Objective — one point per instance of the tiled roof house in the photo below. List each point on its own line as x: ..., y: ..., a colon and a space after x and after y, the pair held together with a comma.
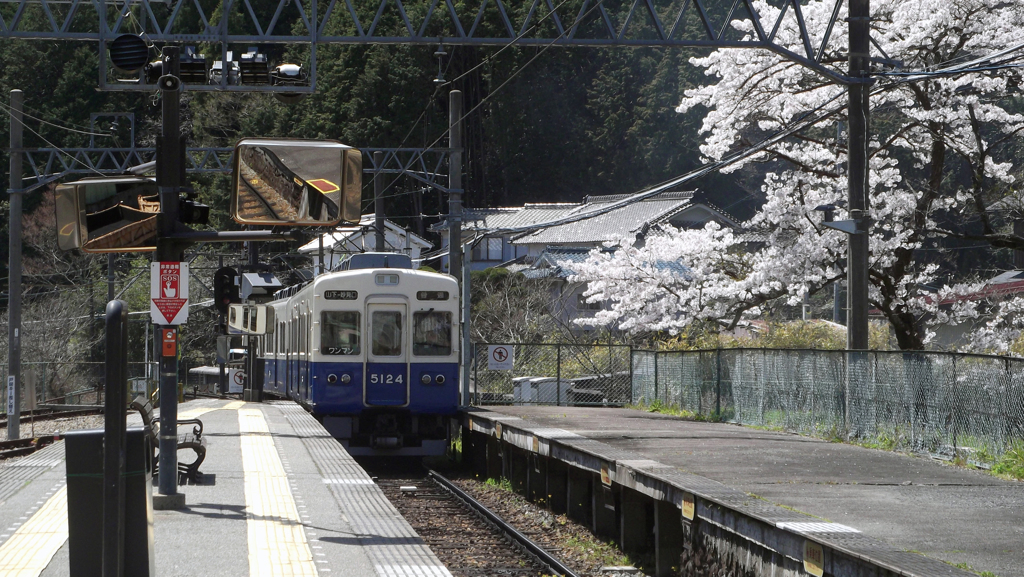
x: 512, y: 237
x: 502, y: 235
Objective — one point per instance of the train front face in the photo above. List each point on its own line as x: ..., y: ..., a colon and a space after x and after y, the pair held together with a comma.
x: 385, y: 364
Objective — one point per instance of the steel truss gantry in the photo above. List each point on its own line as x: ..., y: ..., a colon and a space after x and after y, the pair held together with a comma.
x: 570, y: 23
x: 425, y: 165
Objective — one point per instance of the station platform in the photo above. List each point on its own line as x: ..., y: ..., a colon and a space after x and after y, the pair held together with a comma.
x: 891, y: 508
x: 278, y: 496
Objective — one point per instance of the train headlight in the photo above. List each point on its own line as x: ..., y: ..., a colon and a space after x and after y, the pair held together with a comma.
x: 425, y: 379
x: 346, y: 379
x: 332, y: 378
x: 439, y: 380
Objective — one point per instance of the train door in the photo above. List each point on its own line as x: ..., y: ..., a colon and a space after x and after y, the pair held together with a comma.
x: 386, y: 382
x: 292, y: 347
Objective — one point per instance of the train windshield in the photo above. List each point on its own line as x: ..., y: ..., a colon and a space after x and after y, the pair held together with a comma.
x: 387, y: 333
x: 339, y: 333
x: 432, y: 334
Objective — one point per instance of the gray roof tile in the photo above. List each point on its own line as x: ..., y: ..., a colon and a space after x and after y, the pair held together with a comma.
x: 625, y: 221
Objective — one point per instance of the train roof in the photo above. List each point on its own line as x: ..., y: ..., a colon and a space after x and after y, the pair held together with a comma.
x: 292, y: 290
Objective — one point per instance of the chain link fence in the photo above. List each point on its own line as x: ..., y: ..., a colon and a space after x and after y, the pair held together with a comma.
x: 949, y: 404
x: 560, y: 374
x: 74, y: 383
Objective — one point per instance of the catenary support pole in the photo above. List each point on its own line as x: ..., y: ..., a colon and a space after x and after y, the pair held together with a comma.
x: 857, y: 287
x: 169, y: 183
x: 14, y: 272
x: 378, y: 199
x: 110, y: 276
x: 455, y: 184
x: 468, y: 355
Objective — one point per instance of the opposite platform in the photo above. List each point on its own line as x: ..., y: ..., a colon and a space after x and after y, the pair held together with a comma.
x: 914, y: 504
x: 279, y: 496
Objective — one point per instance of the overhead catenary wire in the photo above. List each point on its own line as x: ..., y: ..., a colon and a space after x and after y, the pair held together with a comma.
x: 810, y: 118
x: 544, y: 49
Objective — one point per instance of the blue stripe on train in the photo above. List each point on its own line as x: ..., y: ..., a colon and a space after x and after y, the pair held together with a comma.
x: 340, y: 398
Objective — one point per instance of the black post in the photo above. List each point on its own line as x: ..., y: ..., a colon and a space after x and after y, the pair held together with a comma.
x: 169, y: 181
x: 114, y: 438
x: 455, y: 184
x: 378, y: 200
x: 859, y: 91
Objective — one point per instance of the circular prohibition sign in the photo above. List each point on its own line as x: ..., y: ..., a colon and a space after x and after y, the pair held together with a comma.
x: 500, y: 354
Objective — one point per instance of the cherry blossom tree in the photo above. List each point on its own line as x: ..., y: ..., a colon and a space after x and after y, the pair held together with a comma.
x: 941, y: 166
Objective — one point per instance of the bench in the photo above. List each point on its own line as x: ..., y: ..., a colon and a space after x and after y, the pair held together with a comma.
x: 193, y: 440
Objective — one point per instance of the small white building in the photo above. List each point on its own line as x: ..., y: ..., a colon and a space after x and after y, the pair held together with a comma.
x: 351, y: 239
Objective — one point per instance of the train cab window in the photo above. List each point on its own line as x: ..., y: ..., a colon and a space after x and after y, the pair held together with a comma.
x: 339, y: 333
x: 432, y: 334
x: 386, y: 327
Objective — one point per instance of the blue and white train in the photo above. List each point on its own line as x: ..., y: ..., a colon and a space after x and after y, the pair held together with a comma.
x: 371, y: 351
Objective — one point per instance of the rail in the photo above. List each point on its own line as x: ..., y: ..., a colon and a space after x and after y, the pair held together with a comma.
x: 552, y: 563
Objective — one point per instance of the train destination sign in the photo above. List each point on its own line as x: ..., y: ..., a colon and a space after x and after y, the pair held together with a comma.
x: 168, y: 304
x: 339, y: 295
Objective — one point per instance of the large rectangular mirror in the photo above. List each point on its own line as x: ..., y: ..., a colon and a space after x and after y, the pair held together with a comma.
x: 116, y: 214
x: 296, y: 182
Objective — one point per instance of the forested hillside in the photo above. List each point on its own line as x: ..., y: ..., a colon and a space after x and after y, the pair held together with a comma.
x: 570, y: 123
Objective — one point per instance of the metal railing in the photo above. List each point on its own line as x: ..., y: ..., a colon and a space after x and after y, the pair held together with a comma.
x: 950, y: 404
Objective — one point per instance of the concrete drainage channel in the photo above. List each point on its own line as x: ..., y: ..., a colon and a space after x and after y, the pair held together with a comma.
x: 668, y: 519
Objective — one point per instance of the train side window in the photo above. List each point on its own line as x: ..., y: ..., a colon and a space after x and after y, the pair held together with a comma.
x: 339, y: 333
x: 386, y: 327
x: 432, y: 334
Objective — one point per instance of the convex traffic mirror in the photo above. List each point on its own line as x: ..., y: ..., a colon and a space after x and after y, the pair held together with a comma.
x: 115, y: 214
x: 304, y: 182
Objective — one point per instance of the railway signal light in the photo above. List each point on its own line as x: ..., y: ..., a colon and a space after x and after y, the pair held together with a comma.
x: 255, y: 67
x: 192, y: 66
x: 191, y: 211
x: 225, y: 289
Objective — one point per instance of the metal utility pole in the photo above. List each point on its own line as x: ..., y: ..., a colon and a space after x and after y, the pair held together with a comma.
x: 859, y: 91
x: 455, y: 184
x: 468, y: 355
x: 14, y: 268
x: 168, y: 180
x: 110, y: 276
x: 378, y: 199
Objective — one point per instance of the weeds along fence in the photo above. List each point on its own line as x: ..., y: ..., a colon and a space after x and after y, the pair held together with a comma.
x: 556, y: 374
x: 73, y: 383
x: 955, y: 405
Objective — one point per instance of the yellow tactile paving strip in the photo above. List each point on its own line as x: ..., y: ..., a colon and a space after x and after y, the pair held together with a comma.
x: 277, y: 543
x: 29, y: 550
x: 196, y: 413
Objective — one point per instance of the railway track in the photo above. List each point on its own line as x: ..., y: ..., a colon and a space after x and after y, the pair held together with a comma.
x: 41, y: 415
x: 22, y: 447
x: 468, y: 538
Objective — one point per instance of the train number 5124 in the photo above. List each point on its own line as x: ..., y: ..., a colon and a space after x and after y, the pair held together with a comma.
x: 385, y: 379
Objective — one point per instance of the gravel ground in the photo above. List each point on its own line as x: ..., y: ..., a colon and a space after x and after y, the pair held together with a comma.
x: 61, y: 425
x: 571, y: 542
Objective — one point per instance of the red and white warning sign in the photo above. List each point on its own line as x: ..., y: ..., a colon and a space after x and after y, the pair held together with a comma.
x: 168, y: 302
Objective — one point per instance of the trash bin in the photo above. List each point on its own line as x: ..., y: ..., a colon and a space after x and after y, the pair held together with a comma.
x: 84, y: 456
